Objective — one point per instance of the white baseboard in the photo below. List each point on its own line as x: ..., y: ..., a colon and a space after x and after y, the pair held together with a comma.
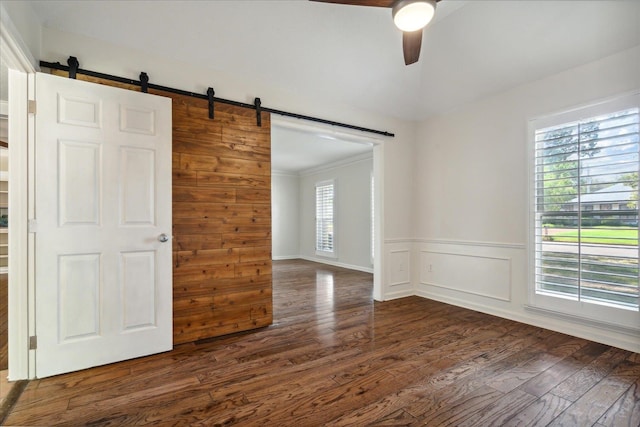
x: 284, y: 257
x: 388, y: 296
x: 573, y: 328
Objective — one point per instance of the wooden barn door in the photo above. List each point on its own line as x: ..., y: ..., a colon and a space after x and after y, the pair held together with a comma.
x: 221, y: 220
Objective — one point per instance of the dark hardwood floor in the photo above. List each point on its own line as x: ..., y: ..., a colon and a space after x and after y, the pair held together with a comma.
x: 335, y: 357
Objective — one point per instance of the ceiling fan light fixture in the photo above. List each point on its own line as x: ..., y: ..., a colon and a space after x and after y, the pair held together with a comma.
x: 413, y: 15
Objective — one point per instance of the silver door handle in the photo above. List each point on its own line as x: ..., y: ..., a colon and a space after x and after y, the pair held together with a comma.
x: 163, y: 238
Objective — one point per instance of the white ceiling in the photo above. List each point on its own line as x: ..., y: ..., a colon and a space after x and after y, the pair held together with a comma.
x: 296, y: 150
x: 352, y: 55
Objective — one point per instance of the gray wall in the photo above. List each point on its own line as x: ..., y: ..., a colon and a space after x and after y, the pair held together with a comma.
x: 285, y: 201
x: 353, y: 214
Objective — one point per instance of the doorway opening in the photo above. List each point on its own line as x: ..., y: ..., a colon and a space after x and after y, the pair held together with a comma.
x: 16, y: 65
x: 305, y: 155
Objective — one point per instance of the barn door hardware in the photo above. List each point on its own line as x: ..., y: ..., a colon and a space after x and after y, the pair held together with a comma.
x: 144, y: 82
x: 73, y: 69
x: 73, y: 66
x: 210, y: 93
x: 258, y: 105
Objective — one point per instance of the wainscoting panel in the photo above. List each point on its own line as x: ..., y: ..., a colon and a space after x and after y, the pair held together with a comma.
x: 398, y: 270
x: 492, y: 278
x: 487, y: 276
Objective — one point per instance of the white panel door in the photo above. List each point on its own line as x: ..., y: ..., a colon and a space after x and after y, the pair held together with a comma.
x: 103, y: 205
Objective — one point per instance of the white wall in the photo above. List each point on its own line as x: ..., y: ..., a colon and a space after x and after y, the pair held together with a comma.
x: 26, y: 22
x: 285, y: 202
x: 471, y: 200
x: 352, y: 213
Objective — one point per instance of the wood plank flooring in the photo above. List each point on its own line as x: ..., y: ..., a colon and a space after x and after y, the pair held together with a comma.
x: 335, y: 357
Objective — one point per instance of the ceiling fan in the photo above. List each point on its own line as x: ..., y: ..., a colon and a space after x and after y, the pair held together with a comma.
x: 410, y: 16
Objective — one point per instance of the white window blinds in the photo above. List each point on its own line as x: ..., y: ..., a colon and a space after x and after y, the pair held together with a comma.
x: 324, y: 217
x: 586, y: 209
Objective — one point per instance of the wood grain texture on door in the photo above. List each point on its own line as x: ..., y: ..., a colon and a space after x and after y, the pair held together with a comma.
x: 222, y: 220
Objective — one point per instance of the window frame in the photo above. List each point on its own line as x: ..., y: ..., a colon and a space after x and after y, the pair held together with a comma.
x: 593, y: 313
x: 325, y: 253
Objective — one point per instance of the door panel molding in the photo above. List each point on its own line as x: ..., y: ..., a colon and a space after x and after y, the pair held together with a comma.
x: 103, y: 279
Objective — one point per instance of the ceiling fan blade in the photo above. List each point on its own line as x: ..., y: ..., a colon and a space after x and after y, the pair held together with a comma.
x: 411, y: 43
x: 375, y: 3
x: 411, y: 40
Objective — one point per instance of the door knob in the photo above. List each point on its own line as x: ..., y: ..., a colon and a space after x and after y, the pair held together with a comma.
x: 163, y: 238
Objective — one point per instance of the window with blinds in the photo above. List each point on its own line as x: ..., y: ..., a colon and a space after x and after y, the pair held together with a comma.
x: 586, y: 209
x: 325, y: 227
